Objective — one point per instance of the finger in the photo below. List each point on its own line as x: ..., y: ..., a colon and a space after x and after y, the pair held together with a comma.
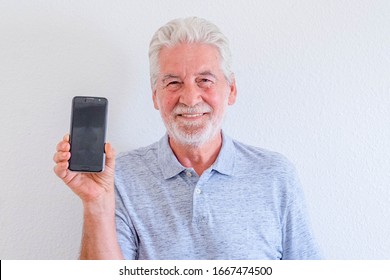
x: 110, y: 155
x: 61, y: 169
x: 63, y: 146
x: 61, y: 156
x: 66, y: 137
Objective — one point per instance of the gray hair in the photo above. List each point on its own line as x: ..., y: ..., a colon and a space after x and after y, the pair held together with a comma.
x: 189, y: 30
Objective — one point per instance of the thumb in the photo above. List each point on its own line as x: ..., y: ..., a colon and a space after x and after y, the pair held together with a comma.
x: 110, y: 156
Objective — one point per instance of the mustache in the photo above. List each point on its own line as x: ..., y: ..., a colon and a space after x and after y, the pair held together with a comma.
x: 199, y: 108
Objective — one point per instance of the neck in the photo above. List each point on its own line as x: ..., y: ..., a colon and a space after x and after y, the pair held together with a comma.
x: 200, y: 157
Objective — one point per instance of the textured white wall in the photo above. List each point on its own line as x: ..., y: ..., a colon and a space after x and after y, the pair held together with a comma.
x: 313, y: 80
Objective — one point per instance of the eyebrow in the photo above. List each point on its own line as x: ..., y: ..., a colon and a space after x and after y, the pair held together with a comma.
x: 168, y: 77
x: 172, y: 76
x: 207, y: 73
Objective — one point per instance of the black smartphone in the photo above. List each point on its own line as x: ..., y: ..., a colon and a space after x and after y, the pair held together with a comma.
x: 88, y: 133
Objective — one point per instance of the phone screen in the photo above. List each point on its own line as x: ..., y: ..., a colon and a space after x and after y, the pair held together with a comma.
x: 87, y: 136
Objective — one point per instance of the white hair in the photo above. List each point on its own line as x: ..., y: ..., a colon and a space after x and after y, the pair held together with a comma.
x: 189, y: 30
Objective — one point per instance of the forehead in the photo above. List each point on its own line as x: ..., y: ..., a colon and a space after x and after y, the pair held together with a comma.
x: 189, y: 57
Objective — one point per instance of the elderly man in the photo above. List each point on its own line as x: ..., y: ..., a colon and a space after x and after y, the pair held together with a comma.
x: 196, y: 193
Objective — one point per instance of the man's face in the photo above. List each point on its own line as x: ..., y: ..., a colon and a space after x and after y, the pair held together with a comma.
x: 192, y: 92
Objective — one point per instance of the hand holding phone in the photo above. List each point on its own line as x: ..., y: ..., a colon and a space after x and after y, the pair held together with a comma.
x: 87, y: 185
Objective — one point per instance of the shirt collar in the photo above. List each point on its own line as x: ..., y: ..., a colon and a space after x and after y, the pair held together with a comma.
x: 167, y: 160
x: 224, y: 163
x: 170, y: 166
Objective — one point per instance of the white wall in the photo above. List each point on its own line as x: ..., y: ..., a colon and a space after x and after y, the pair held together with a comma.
x: 313, y: 80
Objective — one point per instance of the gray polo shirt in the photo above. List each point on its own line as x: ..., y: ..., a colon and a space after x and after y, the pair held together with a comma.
x: 247, y: 205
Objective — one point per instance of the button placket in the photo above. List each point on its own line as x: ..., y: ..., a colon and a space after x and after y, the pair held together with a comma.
x: 200, y: 213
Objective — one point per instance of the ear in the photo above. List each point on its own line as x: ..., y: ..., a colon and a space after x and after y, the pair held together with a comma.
x: 154, y: 97
x: 233, y: 92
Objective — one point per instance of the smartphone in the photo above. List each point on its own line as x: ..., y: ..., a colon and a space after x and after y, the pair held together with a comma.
x: 88, y: 133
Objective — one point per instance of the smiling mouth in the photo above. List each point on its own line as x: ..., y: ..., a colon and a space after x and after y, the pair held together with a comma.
x: 189, y: 116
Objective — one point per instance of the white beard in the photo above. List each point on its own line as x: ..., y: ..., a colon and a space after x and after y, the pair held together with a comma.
x: 193, y: 133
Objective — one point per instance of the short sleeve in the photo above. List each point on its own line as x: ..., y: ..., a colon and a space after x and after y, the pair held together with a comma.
x: 298, y: 238
x: 125, y: 231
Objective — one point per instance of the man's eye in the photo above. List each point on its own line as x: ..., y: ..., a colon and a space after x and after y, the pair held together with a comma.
x: 205, y: 82
x: 173, y: 84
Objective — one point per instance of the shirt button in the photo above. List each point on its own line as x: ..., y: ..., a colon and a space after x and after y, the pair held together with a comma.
x: 198, y: 191
x: 188, y: 173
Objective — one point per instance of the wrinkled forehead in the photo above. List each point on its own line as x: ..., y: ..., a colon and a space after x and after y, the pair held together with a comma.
x: 195, y: 57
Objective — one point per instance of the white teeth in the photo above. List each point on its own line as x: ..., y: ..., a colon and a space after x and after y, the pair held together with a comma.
x: 191, y: 115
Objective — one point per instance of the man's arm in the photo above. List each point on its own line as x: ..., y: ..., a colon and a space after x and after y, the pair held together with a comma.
x: 298, y: 238
x: 96, y: 190
x: 99, y: 239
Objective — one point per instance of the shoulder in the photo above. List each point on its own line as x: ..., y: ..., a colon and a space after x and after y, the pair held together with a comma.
x: 262, y: 158
x: 137, y: 156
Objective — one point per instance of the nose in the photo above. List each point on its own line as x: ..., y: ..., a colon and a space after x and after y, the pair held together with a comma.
x: 191, y: 95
